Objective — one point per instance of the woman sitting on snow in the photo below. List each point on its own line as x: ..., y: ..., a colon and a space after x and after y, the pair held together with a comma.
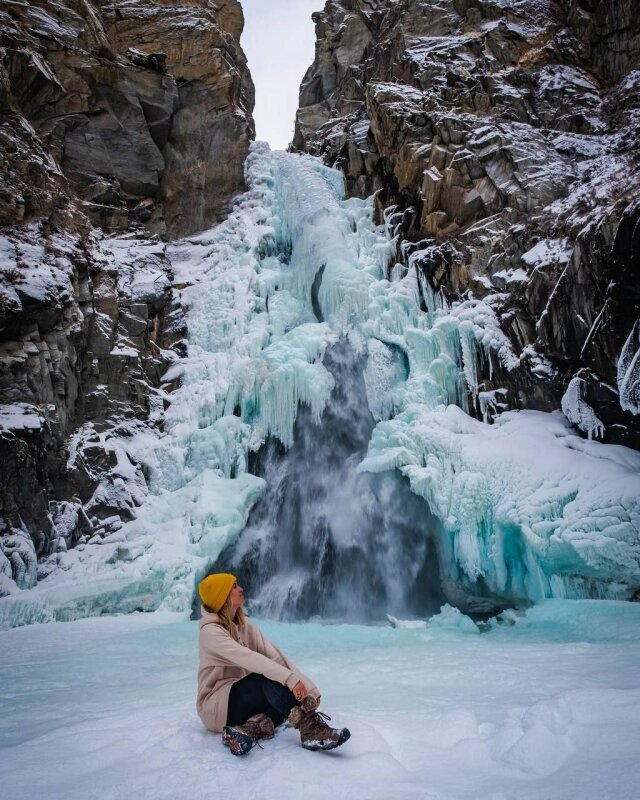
x: 246, y: 685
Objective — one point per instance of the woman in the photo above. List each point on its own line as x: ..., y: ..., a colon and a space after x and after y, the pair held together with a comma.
x: 246, y: 685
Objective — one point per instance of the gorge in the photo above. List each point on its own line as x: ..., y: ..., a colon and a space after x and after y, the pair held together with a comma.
x: 389, y: 378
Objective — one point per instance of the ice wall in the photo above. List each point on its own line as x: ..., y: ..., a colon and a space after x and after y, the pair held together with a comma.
x: 527, y: 509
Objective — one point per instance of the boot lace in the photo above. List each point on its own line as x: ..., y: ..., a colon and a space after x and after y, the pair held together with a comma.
x: 312, y: 720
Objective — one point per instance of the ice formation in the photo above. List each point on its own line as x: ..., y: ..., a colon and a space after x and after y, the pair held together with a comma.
x: 527, y: 508
x: 579, y: 412
x: 629, y: 372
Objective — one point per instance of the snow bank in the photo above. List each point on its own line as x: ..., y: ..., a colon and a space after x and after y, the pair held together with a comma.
x: 20, y: 417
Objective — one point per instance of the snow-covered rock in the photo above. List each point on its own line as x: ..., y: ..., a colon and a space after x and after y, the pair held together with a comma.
x: 128, y: 100
x: 134, y: 117
x: 500, y: 141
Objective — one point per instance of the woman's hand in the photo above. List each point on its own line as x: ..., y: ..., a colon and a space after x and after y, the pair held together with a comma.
x: 299, y: 691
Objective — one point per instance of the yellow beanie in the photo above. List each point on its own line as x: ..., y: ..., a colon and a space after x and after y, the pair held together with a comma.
x: 214, y: 589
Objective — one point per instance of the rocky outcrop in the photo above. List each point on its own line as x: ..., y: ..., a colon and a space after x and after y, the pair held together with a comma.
x: 122, y: 124
x: 501, y: 141
x: 89, y: 326
x: 145, y: 108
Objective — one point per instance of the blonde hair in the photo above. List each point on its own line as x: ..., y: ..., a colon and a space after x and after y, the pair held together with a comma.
x: 230, y: 625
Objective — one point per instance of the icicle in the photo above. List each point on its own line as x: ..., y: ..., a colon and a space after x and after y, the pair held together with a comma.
x: 579, y: 412
x: 629, y: 372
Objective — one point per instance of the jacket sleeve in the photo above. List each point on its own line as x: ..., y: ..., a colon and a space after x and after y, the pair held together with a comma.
x: 223, y: 650
x: 270, y: 650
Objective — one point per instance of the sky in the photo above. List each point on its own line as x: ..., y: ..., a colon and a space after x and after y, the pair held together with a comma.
x: 279, y: 41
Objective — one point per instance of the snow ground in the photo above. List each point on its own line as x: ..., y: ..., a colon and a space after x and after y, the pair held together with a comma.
x: 545, y: 709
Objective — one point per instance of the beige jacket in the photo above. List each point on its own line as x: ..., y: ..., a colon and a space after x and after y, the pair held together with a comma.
x: 223, y: 661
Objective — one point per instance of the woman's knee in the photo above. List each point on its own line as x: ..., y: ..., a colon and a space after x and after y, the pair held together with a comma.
x: 278, y: 696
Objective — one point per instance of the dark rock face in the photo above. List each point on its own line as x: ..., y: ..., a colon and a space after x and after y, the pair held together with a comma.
x: 26, y: 528
x: 196, y: 103
x: 145, y: 107
x: 501, y: 140
x: 132, y: 117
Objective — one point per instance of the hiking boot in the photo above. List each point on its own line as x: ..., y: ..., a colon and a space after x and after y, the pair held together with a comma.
x: 241, y: 738
x: 315, y: 734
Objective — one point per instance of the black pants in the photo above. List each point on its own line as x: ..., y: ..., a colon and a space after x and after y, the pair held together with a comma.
x: 256, y: 694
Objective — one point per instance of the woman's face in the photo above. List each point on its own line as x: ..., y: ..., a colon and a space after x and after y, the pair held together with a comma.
x: 236, y: 596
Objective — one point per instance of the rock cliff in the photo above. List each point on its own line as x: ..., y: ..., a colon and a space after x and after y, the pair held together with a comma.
x: 122, y: 124
x: 501, y: 138
x: 143, y: 106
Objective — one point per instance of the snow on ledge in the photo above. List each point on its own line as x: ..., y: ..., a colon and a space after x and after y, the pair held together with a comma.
x: 20, y: 417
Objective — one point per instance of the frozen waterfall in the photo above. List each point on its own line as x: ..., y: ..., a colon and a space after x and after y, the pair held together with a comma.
x: 318, y: 393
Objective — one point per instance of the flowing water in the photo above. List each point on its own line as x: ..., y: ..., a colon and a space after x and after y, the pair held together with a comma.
x: 329, y: 540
